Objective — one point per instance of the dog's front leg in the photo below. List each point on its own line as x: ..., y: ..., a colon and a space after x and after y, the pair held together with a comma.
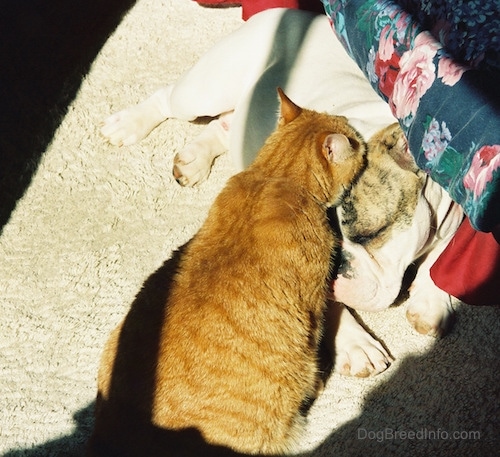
x: 428, y: 308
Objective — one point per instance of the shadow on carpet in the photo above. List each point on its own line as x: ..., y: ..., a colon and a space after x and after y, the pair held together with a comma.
x: 444, y: 402
x: 47, y: 48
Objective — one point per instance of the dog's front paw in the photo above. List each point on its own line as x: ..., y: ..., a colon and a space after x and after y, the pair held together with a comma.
x: 192, y: 165
x: 361, y: 356
x: 431, y: 314
x: 357, y: 353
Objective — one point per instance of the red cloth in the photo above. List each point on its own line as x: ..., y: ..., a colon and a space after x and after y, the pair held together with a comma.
x: 251, y: 7
x: 219, y: 2
x: 469, y: 267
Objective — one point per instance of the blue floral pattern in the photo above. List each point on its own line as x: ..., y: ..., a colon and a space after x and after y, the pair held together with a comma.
x: 468, y: 29
x: 443, y: 87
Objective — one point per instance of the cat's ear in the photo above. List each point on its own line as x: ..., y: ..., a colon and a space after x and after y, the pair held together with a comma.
x: 289, y: 110
x: 337, y: 147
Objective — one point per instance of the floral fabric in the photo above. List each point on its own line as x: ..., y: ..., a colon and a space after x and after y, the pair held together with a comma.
x: 469, y: 30
x: 449, y: 108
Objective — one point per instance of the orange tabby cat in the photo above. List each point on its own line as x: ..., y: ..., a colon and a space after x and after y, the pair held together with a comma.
x: 220, y: 349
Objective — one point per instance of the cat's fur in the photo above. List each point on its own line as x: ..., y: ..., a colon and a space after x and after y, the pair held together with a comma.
x: 237, y: 346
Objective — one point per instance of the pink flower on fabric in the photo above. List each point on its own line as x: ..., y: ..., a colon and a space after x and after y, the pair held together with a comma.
x: 386, y: 44
x: 480, y: 173
x: 425, y: 38
x: 416, y: 76
x: 386, y: 63
x: 449, y: 71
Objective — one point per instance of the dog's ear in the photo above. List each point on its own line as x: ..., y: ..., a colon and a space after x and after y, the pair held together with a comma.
x: 289, y: 110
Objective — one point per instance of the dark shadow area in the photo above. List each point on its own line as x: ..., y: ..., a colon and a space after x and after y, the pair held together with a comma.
x: 445, y: 402
x: 67, y: 446
x: 46, y: 49
x: 124, y: 418
x: 452, y: 388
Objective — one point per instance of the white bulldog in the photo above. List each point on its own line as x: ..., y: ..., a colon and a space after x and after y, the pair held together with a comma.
x: 235, y: 83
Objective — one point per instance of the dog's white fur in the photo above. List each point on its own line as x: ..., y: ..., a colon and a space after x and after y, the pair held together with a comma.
x: 300, y: 53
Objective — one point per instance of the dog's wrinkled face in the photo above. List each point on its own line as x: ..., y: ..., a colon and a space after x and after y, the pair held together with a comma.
x: 385, y: 222
x: 385, y: 197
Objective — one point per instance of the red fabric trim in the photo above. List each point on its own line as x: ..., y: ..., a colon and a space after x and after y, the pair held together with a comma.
x: 218, y: 2
x: 469, y: 267
x: 251, y: 7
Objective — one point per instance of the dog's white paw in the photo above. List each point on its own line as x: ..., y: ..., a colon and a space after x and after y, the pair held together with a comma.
x: 361, y: 355
x: 356, y: 352
x: 431, y: 314
x: 130, y: 125
x: 192, y: 165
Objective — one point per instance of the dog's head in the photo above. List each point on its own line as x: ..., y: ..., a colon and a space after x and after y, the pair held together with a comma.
x: 391, y: 217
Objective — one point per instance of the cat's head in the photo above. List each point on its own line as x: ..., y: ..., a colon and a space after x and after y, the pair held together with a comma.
x: 322, y: 152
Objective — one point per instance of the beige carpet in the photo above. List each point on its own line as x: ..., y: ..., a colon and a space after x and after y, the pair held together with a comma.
x: 97, y: 220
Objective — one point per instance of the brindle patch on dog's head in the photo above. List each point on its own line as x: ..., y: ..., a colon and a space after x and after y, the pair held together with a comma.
x: 386, y: 194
